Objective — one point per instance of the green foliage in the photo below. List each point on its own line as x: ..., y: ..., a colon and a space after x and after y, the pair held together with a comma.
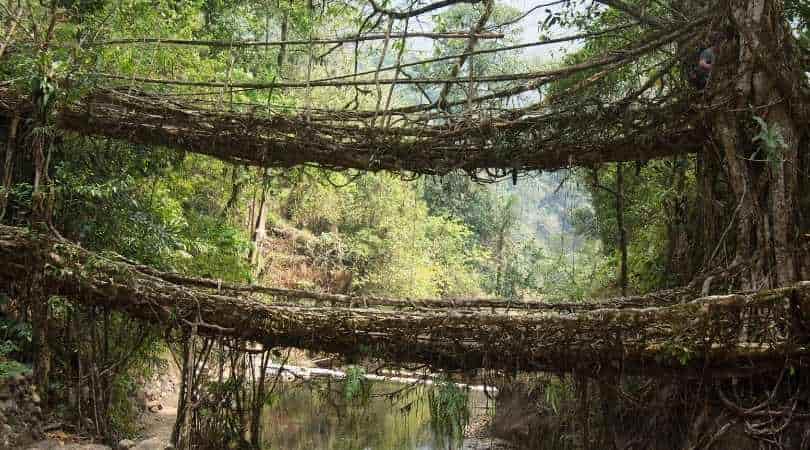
x: 9, y: 367
x: 356, y: 387
x: 178, y: 213
x: 771, y: 142
x: 506, y: 252
x: 456, y: 196
x: 379, y: 227
x: 554, y: 393
x: 655, y: 196
x: 574, y: 274
x: 148, y: 206
x: 675, y: 351
x: 15, y: 339
x: 13, y: 330
x: 449, y: 412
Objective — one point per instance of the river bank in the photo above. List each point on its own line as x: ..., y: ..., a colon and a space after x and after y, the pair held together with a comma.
x: 303, y: 413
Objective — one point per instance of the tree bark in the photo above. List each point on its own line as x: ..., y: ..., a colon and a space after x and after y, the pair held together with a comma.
x: 762, y: 176
x: 8, y: 165
x: 259, y: 231
x: 38, y: 302
x: 678, y: 258
x: 621, y: 229
x: 710, y: 214
x: 282, y: 50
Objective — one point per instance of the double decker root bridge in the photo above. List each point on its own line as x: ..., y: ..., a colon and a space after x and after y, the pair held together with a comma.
x: 490, y: 126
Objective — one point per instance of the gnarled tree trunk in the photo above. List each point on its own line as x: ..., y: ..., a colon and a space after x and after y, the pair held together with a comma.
x: 749, y: 81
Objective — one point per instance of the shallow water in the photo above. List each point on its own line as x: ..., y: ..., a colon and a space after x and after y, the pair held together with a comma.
x: 320, y: 418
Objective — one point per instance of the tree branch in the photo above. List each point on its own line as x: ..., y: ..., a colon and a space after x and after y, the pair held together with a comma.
x: 419, y: 11
x: 337, y: 40
x: 633, y: 12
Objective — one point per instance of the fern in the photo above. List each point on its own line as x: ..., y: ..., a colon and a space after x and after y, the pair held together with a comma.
x: 770, y: 140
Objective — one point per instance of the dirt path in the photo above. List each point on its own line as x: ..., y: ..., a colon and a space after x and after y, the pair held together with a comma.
x: 159, y: 425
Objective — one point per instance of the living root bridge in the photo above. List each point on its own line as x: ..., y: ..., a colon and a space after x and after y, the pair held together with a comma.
x: 339, y: 140
x: 731, y: 334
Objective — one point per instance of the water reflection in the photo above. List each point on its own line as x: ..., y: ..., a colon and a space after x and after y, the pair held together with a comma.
x: 320, y: 418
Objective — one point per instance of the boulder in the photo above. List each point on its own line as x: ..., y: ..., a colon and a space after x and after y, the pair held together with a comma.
x: 126, y: 444
x: 154, y: 406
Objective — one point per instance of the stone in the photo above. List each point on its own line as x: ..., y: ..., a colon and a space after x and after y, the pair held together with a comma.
x: 37, y: 434
x: 18, y: 379
x: 126, y: 444
x: 154, y: 406
x: 141, y: 400
x: 150, y: 444
x: 9, y: 406
x: 35, y: 398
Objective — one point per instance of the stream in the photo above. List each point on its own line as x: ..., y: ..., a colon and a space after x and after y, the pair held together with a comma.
x: 320, y: 418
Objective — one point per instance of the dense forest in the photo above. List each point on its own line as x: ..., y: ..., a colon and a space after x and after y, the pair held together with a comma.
x: 169, y: 165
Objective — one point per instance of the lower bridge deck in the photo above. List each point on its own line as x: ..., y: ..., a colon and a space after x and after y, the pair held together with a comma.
x: 660, y: 333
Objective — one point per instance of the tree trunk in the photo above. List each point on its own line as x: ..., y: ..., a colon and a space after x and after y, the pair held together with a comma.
x: 710, y: 218
x: 11, y: 146
x: 259, y: 231
x: 38, y: 299
x: 762, y: 175
x: 184, y: 391
x: 282, y: 51
x: 38, y: 302
x: 678, y: 257
x: 803, y: 207
x: 622, y: 231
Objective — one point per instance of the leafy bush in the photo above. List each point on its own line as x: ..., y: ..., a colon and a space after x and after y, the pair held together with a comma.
x: 9, y: 367
x: 15, y: 337
x: 356, y: 387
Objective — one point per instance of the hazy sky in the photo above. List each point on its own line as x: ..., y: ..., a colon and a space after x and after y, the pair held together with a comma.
x: 531, y: 30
